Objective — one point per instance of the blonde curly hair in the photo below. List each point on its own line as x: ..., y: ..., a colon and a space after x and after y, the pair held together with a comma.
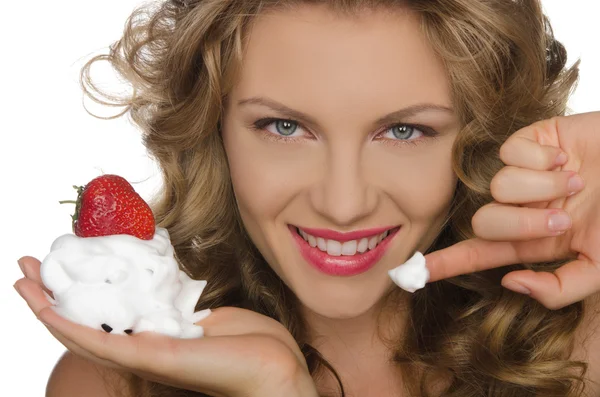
x: 506, y: 71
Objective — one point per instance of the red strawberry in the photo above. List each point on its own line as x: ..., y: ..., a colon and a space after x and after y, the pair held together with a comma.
x: 108, y: 205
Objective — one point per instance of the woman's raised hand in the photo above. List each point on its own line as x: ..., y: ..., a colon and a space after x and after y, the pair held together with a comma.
x: 546, y: 208
x: 243, y: 353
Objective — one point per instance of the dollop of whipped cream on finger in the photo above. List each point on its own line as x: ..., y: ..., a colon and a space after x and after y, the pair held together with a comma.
x: 123, y: 285
x: 412, y: 275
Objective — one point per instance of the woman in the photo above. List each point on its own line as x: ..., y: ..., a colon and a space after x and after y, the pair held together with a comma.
x: 289, y: 132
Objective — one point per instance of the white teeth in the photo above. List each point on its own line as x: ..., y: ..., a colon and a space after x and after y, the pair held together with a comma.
x: 334, y: 248
x: 303, y: 234
x: 373, y: 242
x: 363, y: 244
x: 349, y: 247
x: 322, y: 244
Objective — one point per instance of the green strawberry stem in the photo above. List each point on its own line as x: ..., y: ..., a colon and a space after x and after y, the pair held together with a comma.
x: 77, y: 203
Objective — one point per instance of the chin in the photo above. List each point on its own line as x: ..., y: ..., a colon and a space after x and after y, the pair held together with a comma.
x: 339, y: 302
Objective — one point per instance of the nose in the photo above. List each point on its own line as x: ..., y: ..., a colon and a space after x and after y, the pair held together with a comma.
x: 344, y: 195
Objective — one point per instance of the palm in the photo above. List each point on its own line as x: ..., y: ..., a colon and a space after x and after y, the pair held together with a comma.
x: 242, y: 349
x: 583, y: 207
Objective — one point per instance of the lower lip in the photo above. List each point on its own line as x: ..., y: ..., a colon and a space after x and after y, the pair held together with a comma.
x: 342, y: 265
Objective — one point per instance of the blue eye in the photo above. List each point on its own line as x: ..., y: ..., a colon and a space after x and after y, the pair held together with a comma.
x: 284, y: 130
x: 279, y: 126
x: 403, y: 132
x: 288, y: 130
x: 285, y: 127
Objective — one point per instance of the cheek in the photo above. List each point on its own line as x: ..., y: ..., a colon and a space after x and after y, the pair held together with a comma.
x: 431, y: 188
x: 261, y: 179
x: 266, y: 176
x: 420, y: 182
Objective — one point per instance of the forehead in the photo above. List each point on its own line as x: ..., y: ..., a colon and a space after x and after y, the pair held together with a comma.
x: 347, y: 61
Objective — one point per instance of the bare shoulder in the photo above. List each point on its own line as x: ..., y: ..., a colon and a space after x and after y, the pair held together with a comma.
x: 587, y: 347
x: 75, y: 376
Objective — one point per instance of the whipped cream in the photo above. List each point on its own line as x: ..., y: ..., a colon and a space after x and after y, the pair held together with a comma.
x: 122, y: 284
x: 412, y: 274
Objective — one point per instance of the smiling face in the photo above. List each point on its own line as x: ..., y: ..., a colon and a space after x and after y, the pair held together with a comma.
x: 340, y: 128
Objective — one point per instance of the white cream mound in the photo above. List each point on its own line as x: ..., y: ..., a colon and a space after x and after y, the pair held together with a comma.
x: 412, y: 274
x: 122, y: 284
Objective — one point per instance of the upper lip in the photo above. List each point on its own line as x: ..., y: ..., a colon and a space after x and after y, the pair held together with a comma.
x: 345, y: 236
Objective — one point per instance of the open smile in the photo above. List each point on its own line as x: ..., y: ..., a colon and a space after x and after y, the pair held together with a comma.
x: 342, y: 254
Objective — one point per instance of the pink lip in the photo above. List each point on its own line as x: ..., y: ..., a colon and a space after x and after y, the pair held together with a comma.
x: 347, y: 236
x: 342, y: 265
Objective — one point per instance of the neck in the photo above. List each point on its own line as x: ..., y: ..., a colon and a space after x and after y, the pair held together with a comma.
x: 383, y: 321
x: 360, y: 348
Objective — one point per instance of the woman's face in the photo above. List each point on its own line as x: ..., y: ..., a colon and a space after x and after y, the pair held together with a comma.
x: 341, y: 128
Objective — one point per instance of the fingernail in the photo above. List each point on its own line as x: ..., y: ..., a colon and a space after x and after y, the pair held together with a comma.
x: 516, y: 287
x: 575, y: 184
x: 559, y: 221
x: 561, y: 159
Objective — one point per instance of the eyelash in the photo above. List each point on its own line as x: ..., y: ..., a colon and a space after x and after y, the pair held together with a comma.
x: 260, y: 124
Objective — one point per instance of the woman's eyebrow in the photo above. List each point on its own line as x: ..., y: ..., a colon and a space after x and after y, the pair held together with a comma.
x: 390, y: 118
x: 412, y: 111
x: 281, y: 109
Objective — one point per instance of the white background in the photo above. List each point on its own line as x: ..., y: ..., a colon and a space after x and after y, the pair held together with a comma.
x: 49, y: 143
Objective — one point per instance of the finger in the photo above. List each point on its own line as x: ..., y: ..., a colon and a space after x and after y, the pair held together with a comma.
x: 572, y: 282
x: 206, y: 365
x: 132, y: 352
x: 120, y: 356
x: 468, y: 257
x: 474, y: 255
x: 28, y: 260
x: 33, y: 294
x: 147, y: 347
x: 118, y: 351
x: 499, y: 222
x: 78, y: 350
x: 151, y: 356
x: 520, y: 185
x: 535, y: 147
x: 31, y: 269
x: 522, y: 150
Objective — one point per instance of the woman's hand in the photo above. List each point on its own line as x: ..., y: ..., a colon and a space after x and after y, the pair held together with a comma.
x: 542, y: 212
x: 243, y: 353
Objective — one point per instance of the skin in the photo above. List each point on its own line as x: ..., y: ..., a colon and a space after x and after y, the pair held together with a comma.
x: 341, y: 171
x: 336, y: 174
